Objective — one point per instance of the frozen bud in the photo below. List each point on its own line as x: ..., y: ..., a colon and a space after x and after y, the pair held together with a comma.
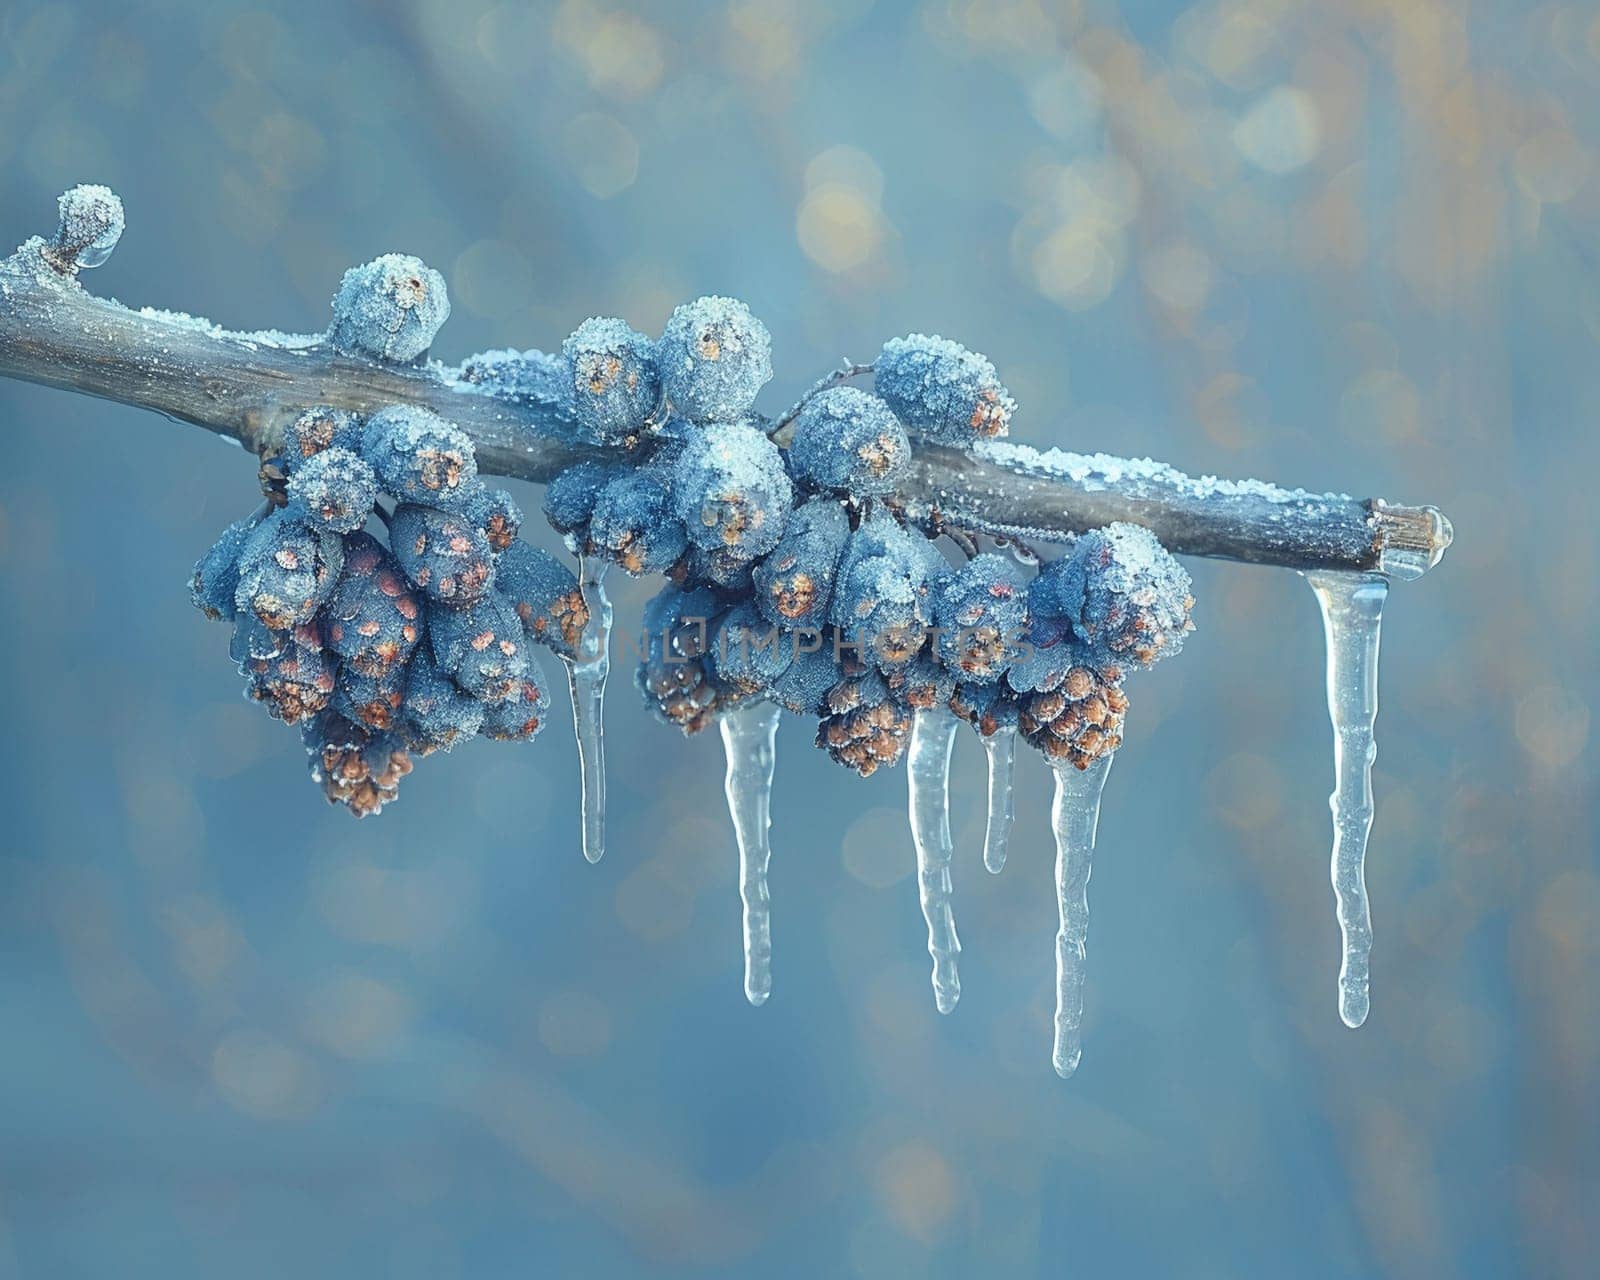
x: 715, y: 357
x: 520, y: 716
x: 336, y: 488
x: 316, y: 429
x: 922, y: 684
x: 482, y: 646
x: 982, y: 615
x: 91, y: 224
x: 545, y: 595
x: 215, y: 582
x: 942, y: 391
x: 633, y: 524
x: 803, y: 687
x: 355, y: 767
x: 748, y: 653
x: 863, y: 727
x: 287, y: 568
x: 1121, y: 592
x: 496, y: 513
x: 794, y: 583
x: 372, y: 701
x: 441, y: 554
x: 436, y: 713
x: 731, y: 490
x: 612, y: 380
x: 847, y: 441
x: 1079, y: 718
x: 883, y: 594
x: 389, y: 308
x: 372, y: 620
x: 569, y: 499
x: 676, y: 677
x: 988, y: 708
x: 419, y: 457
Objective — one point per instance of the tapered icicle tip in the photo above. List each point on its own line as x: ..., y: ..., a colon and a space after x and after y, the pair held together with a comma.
x: 749, y: 741
x: 1352, y: 619
x: 1075, y: 816
x: 933, y: 736
x: 586, y: 679
x: 1001, y: 748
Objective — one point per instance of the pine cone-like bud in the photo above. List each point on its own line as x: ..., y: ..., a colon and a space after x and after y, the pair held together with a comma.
x: 354, y: 766
x: 1080, y: 719
x: 294, y: 682
x: 865, y: 726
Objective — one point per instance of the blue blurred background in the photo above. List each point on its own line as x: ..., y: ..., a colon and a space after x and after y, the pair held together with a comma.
x: 1344, y: 245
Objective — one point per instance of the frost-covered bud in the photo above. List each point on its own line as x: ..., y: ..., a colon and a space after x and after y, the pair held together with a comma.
x: 336, y: 488
x: 372, y: 701
x: 847, y: 441
x: 287, y: 568
x: 942, y: 391
x: 1079, y: 718
x: 294, y: 685
x: 215, y: 581
x: 91, y: 224
x: 748, y: 653
x: 988, y: 708
x: 803, y: 687
x: 676, y: 676
x: 633, y: 524
x: 372, y: 620
x: 794, y: 583
x: 883, y: 594
x: 863, y: 726
x: 436, y: 713
x: 389, y: 308
x: 354, y: 766
x: 497, y: 514
x: 520, y: 716
x: 1121, y: 591
x: 730, y: 489
x: 728, y: 571
x: 922, y: 684
x: 441, y: 554
x: 316, y: 429
x: 715, y: 357
x: 483, y: 646
x: 419, y: 457
x: 612, y: 379
x: 981, y: 611
x: 545, y: 595
x: 569, y: 499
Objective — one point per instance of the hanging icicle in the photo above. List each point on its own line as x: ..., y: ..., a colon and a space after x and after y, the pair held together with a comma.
x: 749, y: 740
x: 1001, y: 746
x: 586, y: 678
x: 1075, y: 816
x: 933, y: 736
x: 1352, y: 615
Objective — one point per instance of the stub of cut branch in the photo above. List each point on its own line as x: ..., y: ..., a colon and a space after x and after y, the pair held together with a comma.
x: 248, y: 386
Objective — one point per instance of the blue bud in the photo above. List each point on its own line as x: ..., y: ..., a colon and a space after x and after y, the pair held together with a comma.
x: 519, y: 716
x: 1121, y: 592
x: 419, y: 457
x: 496, y: 513
x: 794, y: 583
x: 569, y: 499
x: 216, y: 574
x: 545, y: 595
x: 749, y: 653
x: 316, y: 429
x: 942, y: 391
x: 389, y: 308
x: 848, y: 441
x: 731, y: 490
x: 482, y: 646
x: 444, y: 557
x: 336, y: 488
x: 372, y: 620
x: 611, y: 380
x: 287, y: 568
x: 803, y: 687
x: 634, y: 526
x: 715, y: 357
x: 370, y: 701
x: 982, y: 614
x: 436, y: 713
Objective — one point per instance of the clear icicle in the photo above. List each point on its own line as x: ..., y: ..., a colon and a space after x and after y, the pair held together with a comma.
x: 749, y: 740
x: 1001, y: 746
x: 586, y: 678
x: 1352, y: 613
x: 933, y: 736
x: 1075, y: 816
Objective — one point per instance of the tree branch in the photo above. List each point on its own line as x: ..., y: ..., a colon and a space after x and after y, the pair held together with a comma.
x: 248, y: 386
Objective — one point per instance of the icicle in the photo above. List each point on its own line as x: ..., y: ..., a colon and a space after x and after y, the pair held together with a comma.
x: 1075, y: 815
x: 1352, y: 613
x: 586, y: 678
x: 1001, y: 746
x: 933, y: 736
x: 749, y: 740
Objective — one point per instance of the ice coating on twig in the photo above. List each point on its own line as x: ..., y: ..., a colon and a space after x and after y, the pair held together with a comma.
x: 1075, y: 816
x: 1001, y: 747
x: 933, y: 735
x: 586, y: 678
x: 749, y: 741
x: 1352, y: 615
